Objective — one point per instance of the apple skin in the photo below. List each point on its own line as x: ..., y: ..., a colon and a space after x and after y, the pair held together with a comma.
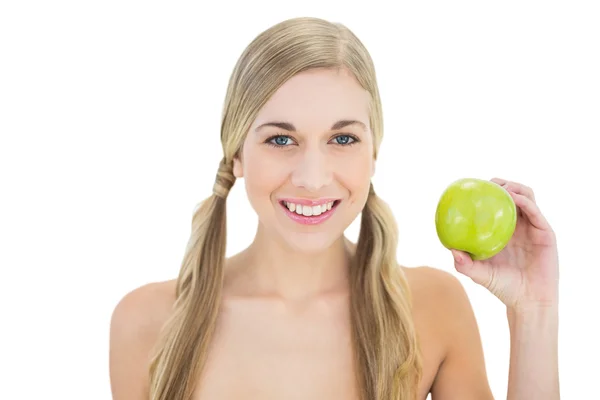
x: 475, y: 216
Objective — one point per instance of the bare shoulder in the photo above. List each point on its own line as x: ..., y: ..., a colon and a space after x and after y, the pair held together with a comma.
x: 442, y: 304
x: 144, y: 308
x: 425, y: 276
x: 135, y: 324
x: 436, y: 292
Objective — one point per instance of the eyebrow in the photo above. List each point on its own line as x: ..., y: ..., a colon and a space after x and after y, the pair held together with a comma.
x: 291, y: 128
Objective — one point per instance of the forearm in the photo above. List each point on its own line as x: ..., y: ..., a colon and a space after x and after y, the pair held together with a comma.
x: 533, y: 372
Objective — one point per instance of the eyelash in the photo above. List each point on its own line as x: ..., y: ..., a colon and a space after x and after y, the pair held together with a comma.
x: 268, y: 141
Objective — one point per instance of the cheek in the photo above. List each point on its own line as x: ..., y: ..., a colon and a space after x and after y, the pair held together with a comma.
x: 262, y: 174
x: 355, y: 175
x: 355, y: 172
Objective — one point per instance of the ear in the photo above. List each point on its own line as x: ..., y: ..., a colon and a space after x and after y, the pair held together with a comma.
x: 373, y: 167
x: 238, y: 170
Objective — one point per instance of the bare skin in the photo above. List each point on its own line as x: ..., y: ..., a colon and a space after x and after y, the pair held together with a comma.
x: 298, y: 349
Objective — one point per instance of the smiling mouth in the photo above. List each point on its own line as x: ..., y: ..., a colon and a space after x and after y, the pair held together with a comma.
x: 307, y: 214
x: 310, y: 211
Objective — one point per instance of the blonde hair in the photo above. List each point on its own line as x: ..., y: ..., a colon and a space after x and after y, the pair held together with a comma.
x: 384, y: 338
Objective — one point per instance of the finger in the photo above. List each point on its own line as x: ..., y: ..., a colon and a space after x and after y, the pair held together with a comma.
x: 499, y: 181
x: 516, y: 187
x: 504, y: 184
x: 480, y: 273
x: 520, y: 189
x: 531, y: 210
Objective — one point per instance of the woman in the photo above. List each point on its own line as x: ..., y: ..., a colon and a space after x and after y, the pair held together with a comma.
x: 303, y: 313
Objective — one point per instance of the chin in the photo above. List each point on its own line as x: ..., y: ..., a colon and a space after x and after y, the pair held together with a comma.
x: 310, y: 243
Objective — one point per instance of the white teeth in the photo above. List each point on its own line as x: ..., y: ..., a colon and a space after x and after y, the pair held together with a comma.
x: 308, y: 210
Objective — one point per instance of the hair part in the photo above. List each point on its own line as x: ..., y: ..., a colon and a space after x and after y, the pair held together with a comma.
x: 384, y: 337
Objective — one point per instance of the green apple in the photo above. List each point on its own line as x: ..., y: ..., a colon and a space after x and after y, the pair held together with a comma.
x: 475, y: 216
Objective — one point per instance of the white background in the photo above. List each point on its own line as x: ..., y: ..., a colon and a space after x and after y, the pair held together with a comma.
x: 109, y: 123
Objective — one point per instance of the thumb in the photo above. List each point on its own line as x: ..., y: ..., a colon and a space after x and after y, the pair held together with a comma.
x: 480, y: 273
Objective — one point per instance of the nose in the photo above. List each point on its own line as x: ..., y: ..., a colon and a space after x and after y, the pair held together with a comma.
x: 312, y: 171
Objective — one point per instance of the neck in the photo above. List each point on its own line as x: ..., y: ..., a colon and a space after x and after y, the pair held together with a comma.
x: 269, y: 268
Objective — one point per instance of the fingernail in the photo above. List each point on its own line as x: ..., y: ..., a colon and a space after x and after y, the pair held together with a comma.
x: 457, y: 257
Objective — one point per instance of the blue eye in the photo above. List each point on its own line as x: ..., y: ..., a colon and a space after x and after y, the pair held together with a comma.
x: 344, y: 139
x: 281, y: 140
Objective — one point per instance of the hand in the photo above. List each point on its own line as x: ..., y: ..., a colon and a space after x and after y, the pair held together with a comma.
x: 525, y: 273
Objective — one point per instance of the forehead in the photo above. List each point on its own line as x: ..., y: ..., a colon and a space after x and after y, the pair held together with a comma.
x: 313, y: 100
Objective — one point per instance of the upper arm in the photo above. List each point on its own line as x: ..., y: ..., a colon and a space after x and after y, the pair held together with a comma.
x: 134, y: 327
x: 462, y: 374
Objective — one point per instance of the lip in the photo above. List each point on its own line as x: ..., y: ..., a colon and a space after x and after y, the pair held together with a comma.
x: 309, y: 202
x: 312, y: 220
